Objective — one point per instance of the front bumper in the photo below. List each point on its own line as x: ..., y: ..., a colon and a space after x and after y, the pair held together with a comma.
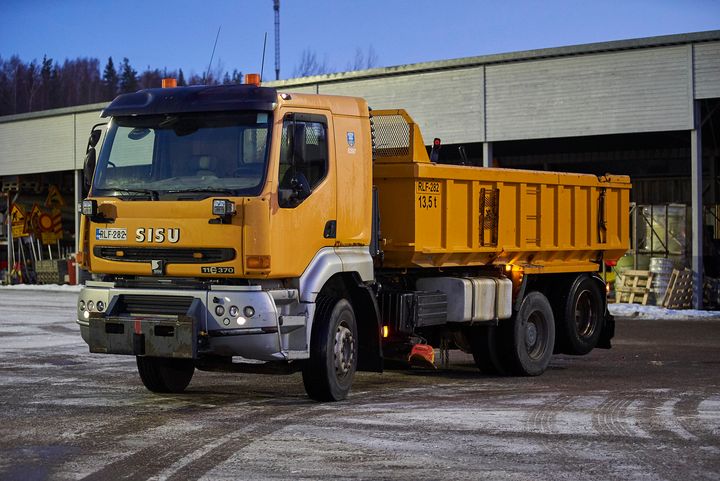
x: 195, y: 323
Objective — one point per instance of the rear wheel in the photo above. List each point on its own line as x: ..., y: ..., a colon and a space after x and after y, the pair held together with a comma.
x: 583, y: 317
x: 484, y: 344
x: 528, y: 337
x: 165, y: 375
x: 329, y: 373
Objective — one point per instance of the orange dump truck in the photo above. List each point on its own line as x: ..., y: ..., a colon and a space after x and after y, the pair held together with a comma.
x: 238, y: 228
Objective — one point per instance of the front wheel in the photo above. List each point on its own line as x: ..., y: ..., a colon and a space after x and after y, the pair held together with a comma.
x: 329, y: 373
x: 165, y: 375
x: 529, y: 336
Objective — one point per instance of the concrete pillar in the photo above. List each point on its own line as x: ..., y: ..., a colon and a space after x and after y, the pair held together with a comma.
x: 697, y: 206
x: 9, y: 241
x: 488, y: 154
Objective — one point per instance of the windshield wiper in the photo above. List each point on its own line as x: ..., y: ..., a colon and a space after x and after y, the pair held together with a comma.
x: 208, y: 190
x: 152, y: 193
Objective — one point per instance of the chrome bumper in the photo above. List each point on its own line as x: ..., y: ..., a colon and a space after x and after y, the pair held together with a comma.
x: 269, y: 325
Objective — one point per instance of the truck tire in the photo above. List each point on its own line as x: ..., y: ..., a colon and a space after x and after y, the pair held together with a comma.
x: 329, y: 373
x: 579, y: 328
x: 484, y: 344
x: 165, y: 375
x: 528, y: 337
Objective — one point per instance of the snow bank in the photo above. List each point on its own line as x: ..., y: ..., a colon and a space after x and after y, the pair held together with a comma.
x: 655, y: 312
x: 43, y: 287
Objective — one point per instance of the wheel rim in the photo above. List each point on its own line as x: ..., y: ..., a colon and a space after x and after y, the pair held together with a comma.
x: 536, y: 335
x: 585, y: 317
x: 344, y: 350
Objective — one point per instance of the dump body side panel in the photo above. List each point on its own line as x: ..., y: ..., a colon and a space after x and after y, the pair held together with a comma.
x: 436, y: 215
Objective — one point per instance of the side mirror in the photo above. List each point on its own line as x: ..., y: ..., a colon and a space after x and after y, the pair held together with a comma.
x: 91, y: 155
x: 94, y: 138
x: 89, y: 166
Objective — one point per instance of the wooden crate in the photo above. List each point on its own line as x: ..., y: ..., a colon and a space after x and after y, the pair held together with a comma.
x: 633, y: 287
x: 679, y: 294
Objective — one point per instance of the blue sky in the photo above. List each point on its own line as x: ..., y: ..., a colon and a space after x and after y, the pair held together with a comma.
x: 181, y: 33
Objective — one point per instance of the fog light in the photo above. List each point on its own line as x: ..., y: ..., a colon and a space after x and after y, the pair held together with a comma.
x: 233, y: 311
x: 249, y: 311
x: 86, y: 314
x: 241, y: 321
x: 81, y: 305
x: 226, y: 321
x: 100, y: 306
x: 90, y: 305
x: 219, y: 310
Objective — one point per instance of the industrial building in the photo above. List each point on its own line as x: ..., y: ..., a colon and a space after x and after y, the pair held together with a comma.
x: 649, y: 108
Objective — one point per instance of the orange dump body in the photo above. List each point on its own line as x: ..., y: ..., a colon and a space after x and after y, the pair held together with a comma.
x: 435, y: 215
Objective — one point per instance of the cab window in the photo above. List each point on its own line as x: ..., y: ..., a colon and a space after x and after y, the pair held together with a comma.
x: 303, y: 157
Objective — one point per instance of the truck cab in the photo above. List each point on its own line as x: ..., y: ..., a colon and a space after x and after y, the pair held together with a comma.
x: 219, y: 220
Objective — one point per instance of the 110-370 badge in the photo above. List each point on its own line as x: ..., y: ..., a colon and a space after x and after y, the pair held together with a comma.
x: 217, y: 270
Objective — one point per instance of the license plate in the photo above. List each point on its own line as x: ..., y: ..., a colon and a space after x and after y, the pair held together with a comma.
x: 111, y: 234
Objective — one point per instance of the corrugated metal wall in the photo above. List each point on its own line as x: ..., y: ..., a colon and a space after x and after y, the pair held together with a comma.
x: 707, y: 70
x: 445, y: 104
x: 46, y: 144
x: 619, y: 92
x: 37, y: 145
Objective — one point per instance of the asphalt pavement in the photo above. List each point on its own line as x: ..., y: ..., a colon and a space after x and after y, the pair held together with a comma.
x: 647, y: 409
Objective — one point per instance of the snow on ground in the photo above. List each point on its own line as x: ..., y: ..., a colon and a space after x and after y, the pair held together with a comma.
x: 43, y: 287
x: 660, y: 313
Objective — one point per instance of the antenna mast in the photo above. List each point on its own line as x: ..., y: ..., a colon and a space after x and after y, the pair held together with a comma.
x: 276, y: 7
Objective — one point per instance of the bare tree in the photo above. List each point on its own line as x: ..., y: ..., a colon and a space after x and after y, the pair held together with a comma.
x: 310, y: 65
x: 363, y: 60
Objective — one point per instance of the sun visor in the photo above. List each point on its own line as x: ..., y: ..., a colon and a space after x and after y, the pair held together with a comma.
x: 192, y: 99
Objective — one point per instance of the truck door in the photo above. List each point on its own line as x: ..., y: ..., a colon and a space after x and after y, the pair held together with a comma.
x: 305, y: 220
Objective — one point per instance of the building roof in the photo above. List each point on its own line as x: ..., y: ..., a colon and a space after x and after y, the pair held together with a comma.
x: 526, y: 55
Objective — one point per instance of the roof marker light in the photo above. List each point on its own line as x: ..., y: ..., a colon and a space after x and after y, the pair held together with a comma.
x: 252, y: 79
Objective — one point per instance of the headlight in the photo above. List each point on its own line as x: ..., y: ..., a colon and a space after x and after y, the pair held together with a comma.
x: 249, y: 311
x: 233, y: 311
x: 89, y: 207
x: 100, y: 306
x: 81, y: 305
x: 223, y: 207
x: 219, y: 310
x: 90, y: 305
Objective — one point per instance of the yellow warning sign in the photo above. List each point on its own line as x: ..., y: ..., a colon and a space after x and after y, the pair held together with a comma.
x: 17, y: 218
x: 54, y: 198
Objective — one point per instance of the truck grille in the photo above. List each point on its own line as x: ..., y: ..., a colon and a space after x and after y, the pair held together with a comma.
x: 140, y: 304
x: 168, y: 254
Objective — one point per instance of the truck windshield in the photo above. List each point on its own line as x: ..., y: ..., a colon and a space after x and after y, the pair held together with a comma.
x: 193, y: 155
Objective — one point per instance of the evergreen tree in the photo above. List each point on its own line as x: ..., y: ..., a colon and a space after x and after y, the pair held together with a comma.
x: 128, y: 77
x: 181, y: 79
x: 110, y: 80
x: 45, y: 75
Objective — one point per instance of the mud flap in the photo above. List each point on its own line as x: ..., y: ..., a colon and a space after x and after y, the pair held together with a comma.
x: 167, y: 336
x: 607, y: 333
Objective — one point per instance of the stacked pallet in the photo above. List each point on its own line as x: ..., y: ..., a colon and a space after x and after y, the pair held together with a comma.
x: 633, y: 287
x: 679, y: 294
x: 711, y: 293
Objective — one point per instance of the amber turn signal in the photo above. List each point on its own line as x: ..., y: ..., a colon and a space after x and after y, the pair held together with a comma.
x: 257, y: 262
